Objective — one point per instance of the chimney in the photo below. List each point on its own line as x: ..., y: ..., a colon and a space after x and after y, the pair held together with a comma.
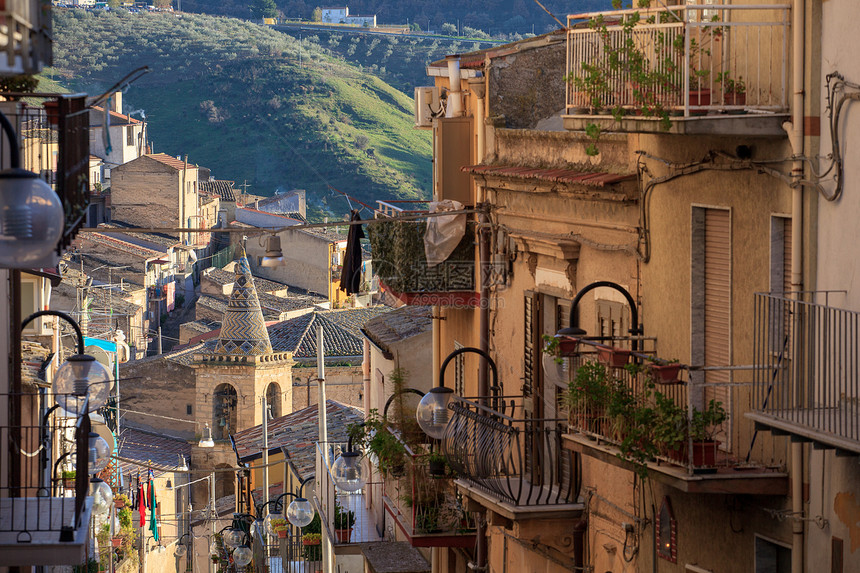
x: 116, y: 102
x: 455, y: 98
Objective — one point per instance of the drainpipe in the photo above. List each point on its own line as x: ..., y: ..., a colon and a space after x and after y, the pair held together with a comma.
x: 795, y: 137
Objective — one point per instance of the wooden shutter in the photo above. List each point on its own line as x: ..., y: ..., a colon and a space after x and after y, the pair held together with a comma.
x: 786, y: 255
x: 718, y: 303
x: 529, y: 335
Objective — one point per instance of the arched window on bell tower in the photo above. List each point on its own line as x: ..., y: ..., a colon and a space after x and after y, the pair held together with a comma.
x: 273, y: 399
x: 224, y: 404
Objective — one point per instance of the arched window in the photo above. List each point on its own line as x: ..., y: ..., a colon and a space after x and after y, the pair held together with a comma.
x: 224, y: 412
x: 273, y: 399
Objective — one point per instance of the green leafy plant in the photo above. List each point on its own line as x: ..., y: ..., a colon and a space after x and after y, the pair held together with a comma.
x: 376, y: 437
x: 69, y: 474
x: 670, y: 424
x: 343, y: 518
x: 705, y: 424
x: 731, y: 85
x: 552, y: 347
x: 312, y: 546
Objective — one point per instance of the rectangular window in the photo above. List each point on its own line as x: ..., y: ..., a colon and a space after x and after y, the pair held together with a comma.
x: 188, y: 409
x: 129, y: 135
x: 771, y: 557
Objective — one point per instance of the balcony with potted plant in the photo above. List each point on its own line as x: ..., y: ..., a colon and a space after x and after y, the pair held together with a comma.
x: 678, y: 69
x: 645, y: 415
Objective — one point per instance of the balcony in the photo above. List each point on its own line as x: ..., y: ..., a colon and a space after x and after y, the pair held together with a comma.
x: 808, y: 383
x: 625, y: 414
x: 427, y: 507
x: 401, y: 265
x: 41, y: 523
x: 53, y: 138
x: 703, y: 70
x: 25, y: 36
x: 511, y: 463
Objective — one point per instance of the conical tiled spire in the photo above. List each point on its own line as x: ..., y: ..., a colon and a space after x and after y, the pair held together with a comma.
x: 243, y: 330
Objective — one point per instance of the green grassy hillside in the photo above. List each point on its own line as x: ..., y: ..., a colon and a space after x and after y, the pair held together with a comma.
x: 251, y: 103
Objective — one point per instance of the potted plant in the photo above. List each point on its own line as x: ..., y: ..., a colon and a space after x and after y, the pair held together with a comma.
x: 704, y: 426
x: 670, y: 428
x: 312, y: 549
x: 121, y: 500
x: 734, y: 90
x: 68, y: 477
x: 436, y: 463
x: 377, y: 438
x: 613, y: 356
x: 665, y: 372
x: 344, y: 520
x: 280, y: 527
x: 587, y: 396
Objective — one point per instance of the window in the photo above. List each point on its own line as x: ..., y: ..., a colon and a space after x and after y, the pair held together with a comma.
x: 771, y: 556
x: 188, y: 409
x: 129, y: 135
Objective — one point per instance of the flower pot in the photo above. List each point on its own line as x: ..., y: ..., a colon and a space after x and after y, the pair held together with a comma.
x: 282, y: 533
x: 119, y: 503
x: 69, y: 483
x: 568, y: 347
x: 736, y: 99
x: 436, y: 467
x: 705, y: 453
x: 614, y: 357
x: 116, y: 541
x: 343, y: 535
x: 699, y: 98
x: 665, y: 373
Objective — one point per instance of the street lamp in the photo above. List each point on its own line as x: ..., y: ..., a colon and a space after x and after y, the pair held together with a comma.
x: 99, y: 455
x: 181, y: 549
x: 31, y: 213
x: 575, y: 330
x: 432, y: 411
x: 300, y: 512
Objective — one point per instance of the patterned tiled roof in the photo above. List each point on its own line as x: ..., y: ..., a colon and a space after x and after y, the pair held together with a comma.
x: 243, y: 330
x: 223, y: 277
x: 144, y: 448
x: 341, y: 332
x: 218, y: 188
x: 297, y: 433
x: 400, y: 324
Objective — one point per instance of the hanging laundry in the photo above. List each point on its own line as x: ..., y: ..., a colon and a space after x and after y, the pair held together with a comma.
x: 153, y: 506
x: 141, y: 505
x: 350, y: 276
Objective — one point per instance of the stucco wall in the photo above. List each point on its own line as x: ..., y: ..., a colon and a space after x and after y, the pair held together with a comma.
x: 161, y: 387
x: 342, y: 383
x: 306, y: 261
x: 145, y: 195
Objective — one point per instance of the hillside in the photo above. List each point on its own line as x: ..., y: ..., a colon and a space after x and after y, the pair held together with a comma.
x: 251, y: 103
x: 400, y: 61
x: 491, y: 16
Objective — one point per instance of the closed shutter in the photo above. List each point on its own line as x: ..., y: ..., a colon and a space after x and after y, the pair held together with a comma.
x: 786, y: 255
x: 529, y: 335
x: 718, y: 291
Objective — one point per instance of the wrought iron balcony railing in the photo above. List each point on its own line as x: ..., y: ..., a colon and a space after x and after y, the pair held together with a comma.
x: 42, y: 523
x: 505, y: 453
x: 808, y: 380
x: 685, y: 60
x: 53, y: 136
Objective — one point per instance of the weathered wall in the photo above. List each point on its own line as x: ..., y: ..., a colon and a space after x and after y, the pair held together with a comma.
x: 528, y: 86
x: 306, y: 261
x: 342, y: 383
x: 163, y: 387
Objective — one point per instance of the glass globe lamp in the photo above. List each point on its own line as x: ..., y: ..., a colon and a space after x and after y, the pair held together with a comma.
x: 102, y: 498
x: 268, y: 521
x: 242, y: 555
x: 346, y: 472
x: 232, y: 538
x: 99, y: 454
x: 432, y: 411
x: 300, y: 512
x: 180, y: 550
x: 81, y: 377
x: 31, y: 220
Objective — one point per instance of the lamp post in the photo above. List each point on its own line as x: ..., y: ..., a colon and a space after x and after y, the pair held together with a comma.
x: 574, y: 328
x: 432, y: 411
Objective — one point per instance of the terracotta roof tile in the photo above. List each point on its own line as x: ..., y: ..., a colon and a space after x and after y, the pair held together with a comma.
x: 149, y: 448
x: 400, y: 324
x: 170, y: 161
x: 576, y: 176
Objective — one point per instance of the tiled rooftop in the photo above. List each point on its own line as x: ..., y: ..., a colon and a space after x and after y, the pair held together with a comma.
x: 226, y: 276
x: 324, y: 232
x: 341, y: 332
x: 170, y: 161
x: 115, y: 118
x: 297, y: 434
x: 145, y: 448
x: 222, y: 189
x: 400, y: 324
